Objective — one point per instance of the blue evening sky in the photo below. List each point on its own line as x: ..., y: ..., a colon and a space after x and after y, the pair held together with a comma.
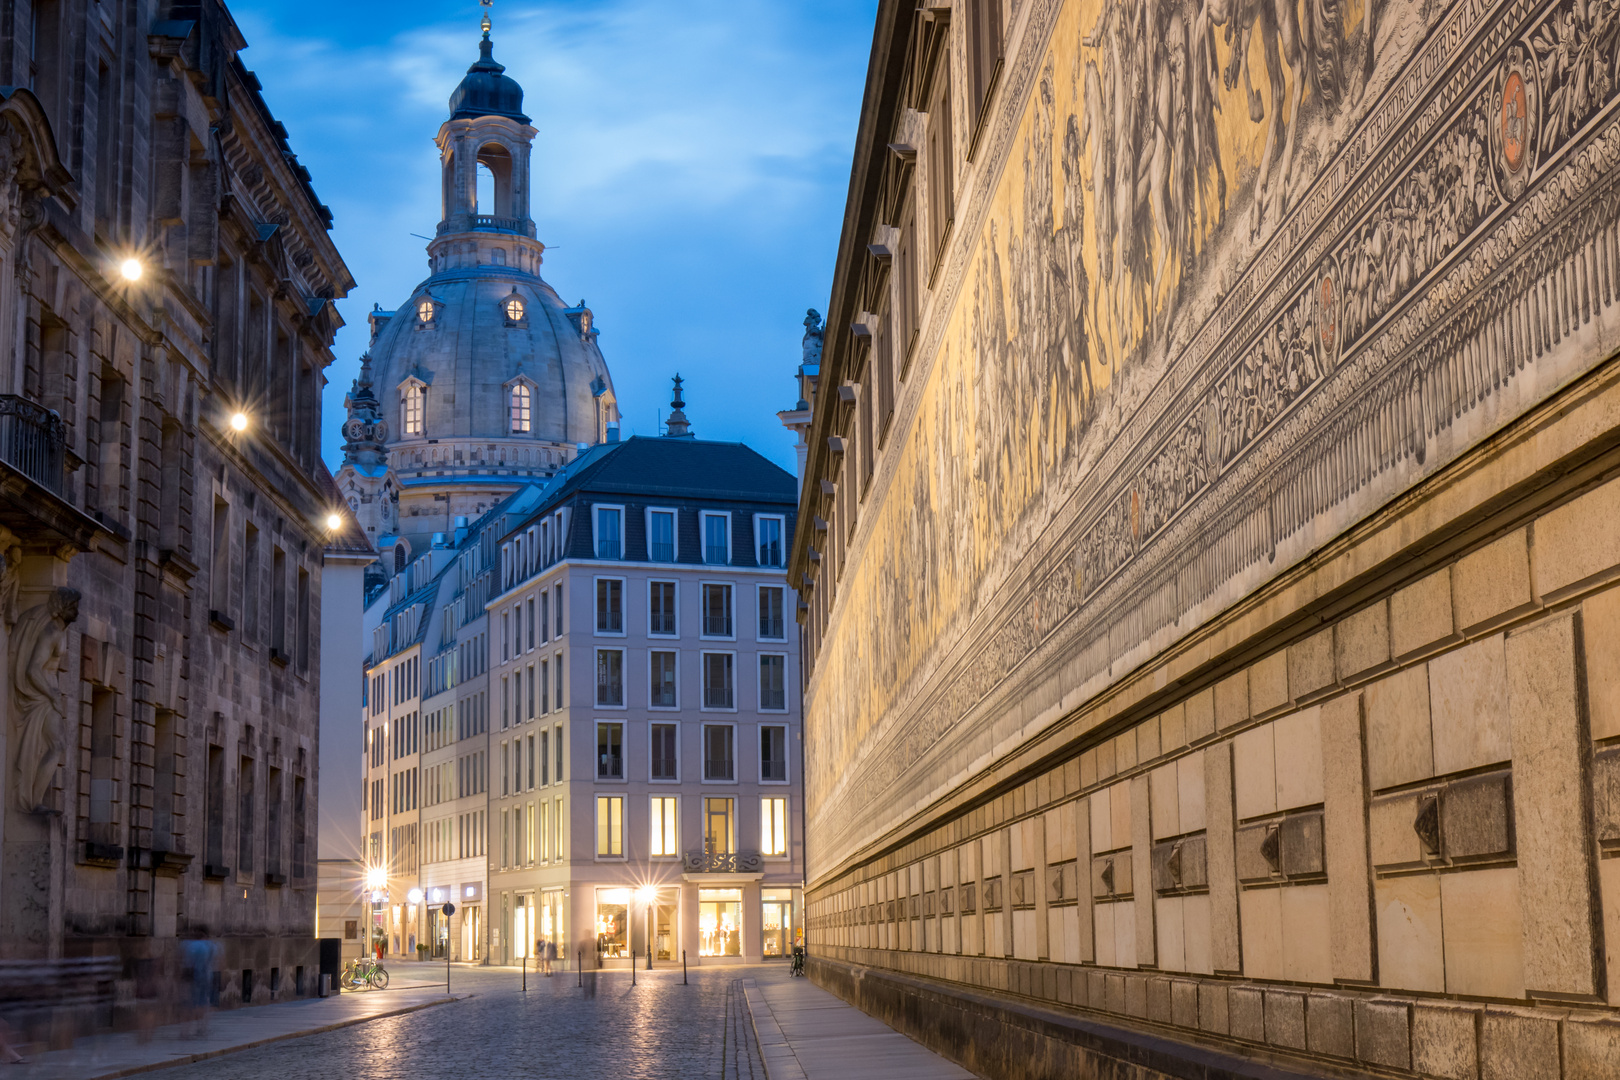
x: 689, y: 173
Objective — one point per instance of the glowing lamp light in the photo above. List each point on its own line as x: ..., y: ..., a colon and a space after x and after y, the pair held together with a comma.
x: 646, y: 894
x: 376, y: 878
x: 334, y: 521
x: 131, y: 269
x: 239, y: 421
x: 414, y: 896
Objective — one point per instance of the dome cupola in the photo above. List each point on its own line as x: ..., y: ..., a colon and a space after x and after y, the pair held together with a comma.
x: 486, y: 90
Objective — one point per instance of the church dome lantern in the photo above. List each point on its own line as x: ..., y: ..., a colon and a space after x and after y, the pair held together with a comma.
x: 487, y: 90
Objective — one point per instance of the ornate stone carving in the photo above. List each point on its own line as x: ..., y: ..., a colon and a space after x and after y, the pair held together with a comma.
x: 38, y: 643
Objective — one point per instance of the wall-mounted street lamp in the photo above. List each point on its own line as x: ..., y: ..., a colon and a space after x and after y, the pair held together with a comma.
x: 334, y: 521
x: 131, y: 269
x: 239, y: 421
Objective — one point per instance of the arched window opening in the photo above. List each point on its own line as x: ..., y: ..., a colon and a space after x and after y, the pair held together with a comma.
x: 412, y: 409
x: 424, y: 310
x: 399, y: 558
x: 495, y: 182
x: 520, y: 409
x: 514, y: 310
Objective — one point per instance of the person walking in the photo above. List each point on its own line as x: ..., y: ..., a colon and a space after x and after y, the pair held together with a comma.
x: 551, y: 955
x: 200, y: 956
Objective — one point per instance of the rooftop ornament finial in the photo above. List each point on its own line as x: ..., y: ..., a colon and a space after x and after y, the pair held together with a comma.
x: 487, y: 4
x: 677, y: 427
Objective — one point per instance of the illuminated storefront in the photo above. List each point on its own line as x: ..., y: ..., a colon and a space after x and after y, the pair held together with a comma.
x: 719, y: 922
x: 613, y: 923
x: 777, y: 910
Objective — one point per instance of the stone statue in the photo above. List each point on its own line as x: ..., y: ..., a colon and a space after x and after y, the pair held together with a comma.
x: 812, y: 337
x: 38, y: 643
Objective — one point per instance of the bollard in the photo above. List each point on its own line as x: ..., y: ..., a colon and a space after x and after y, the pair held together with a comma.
x: 683, y: 967
x: 579, y: 967
x: 326, y: 985
x: 525, y: 960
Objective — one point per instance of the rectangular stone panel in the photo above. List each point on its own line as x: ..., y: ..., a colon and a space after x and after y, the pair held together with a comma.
x: 1600, y: 621
x: 1330, y: 1025
x: 1111, y: 875
x: 1420, y: 615
x: 1102, y: 821
x: 1484, y: 942
x: 1591, y: 1049
x: 1195, y: 932
x: 1213, y: 1002
x: 1468, y: 706
x: 1225, y: 945
x: 1297, y: 742
x: 1578, y: 540
x: 1285, y: 1019
x: 1172, y: 955
x: 1476, y: 818
x: 1410, y: 941
x: 1310, y: 665
x: 1201, y: 715
x: 1345, y: 838
x: 1361, y: 642
x: 1393, y: 841
x: 1232, y: 700
x: 1190, y: 791
x: 1383, y: 1033
x: 1166, y: 801
x: 1517, y: 1045
x: 1307, y: 945
x: 1550, y: 752
x: 1262, y: 933
x: 1082, y: 833
x: 1493, y: 583
x: 1255, y: 772
x: 1445, y: 1041
x: 1301, y: 844
x: 1268, y: 684
x: 1247, y: 1014
x: 1173, y: 729
x: 1400, y: 748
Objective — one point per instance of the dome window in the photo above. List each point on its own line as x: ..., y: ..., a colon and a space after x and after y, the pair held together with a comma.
x: 412, y: 408
x: 522, y: 418
x: 427, y: 313
x: 514, y: 309
x: 424, y: 311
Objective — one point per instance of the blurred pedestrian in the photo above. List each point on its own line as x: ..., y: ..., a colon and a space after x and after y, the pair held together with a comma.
x: 551, y: 955
x: 200, y: 957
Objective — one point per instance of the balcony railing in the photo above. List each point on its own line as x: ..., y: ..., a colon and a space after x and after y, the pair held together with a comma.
x: 723, y: 862
x: 32, y: 441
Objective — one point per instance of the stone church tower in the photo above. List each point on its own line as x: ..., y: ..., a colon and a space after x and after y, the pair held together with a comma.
x: 485, y: 378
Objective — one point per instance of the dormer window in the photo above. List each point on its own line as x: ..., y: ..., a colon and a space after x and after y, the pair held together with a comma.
x: 412, y: 408
x: 424, y: 311
x: 520, y: 409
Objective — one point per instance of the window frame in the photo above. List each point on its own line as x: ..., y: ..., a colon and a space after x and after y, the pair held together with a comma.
x: 413, y: 392
x: 596, y: 827
x: 704, y: 776
x: 787, y: 827
x: 651, y: 757
x: 674, y: 533
x: 624, y: 618
x: 703, y: 692
x: 597, y: 682
x: 781, y: 540
x: 787, y: 756
x: 624, y: 757
x: 660, y: 634
x: 517, y: 425
x: 759, y: 597
x: 653, y: 818
x: 731, y: 610
x: 651, y: 707
x: 596, y: 531
x: 759, y: 683
x: 703, y: 536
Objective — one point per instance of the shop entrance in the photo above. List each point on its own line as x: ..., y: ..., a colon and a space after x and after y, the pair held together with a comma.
x: 663, y: 928
x: 778, y: 919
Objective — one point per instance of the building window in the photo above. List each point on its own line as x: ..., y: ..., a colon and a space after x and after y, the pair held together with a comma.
x: 558, y: 626
x: 610, y: 826
x: 769, y: 530
x: 412, y: 408
x: 661, y: 608
x: 521, y: 416
x: 984, y: 53
x: 772, y: 618
x: 608, y: 545
x: 719, y: 922
x: 719, y: 825
x: 666, y: 834
x: 514, y: 310
x: 773, y: 839
x: 609, y: 677
x: 717, y: 611
x: 718, y: 689
x: 664, y: 743
x: 424, y: 311
x: 661, y: 536
x: 663, y: 693
x: 719, y: 761
x: 609, y: 606
x: 610, y: 751
x: 773, y: 753
x: 772, y: 682
x: 941, y: 160
x: 717, y: 539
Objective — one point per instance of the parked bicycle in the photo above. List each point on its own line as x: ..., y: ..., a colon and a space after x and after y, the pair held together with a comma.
x: 798, y: 960
x: 365, y: 972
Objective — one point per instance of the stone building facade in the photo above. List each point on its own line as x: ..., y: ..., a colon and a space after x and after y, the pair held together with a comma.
x: 168, y: 268
x: 1211, y: 601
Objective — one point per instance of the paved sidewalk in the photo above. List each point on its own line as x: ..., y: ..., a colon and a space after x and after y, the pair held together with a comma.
x: 806, y: 1033
x: 105, y: 1057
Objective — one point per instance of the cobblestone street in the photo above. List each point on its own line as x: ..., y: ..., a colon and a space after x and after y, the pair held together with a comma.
x: 656, y: 1029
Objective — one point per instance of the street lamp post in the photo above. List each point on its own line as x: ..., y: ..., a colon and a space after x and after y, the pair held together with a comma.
x: 447, y: 909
